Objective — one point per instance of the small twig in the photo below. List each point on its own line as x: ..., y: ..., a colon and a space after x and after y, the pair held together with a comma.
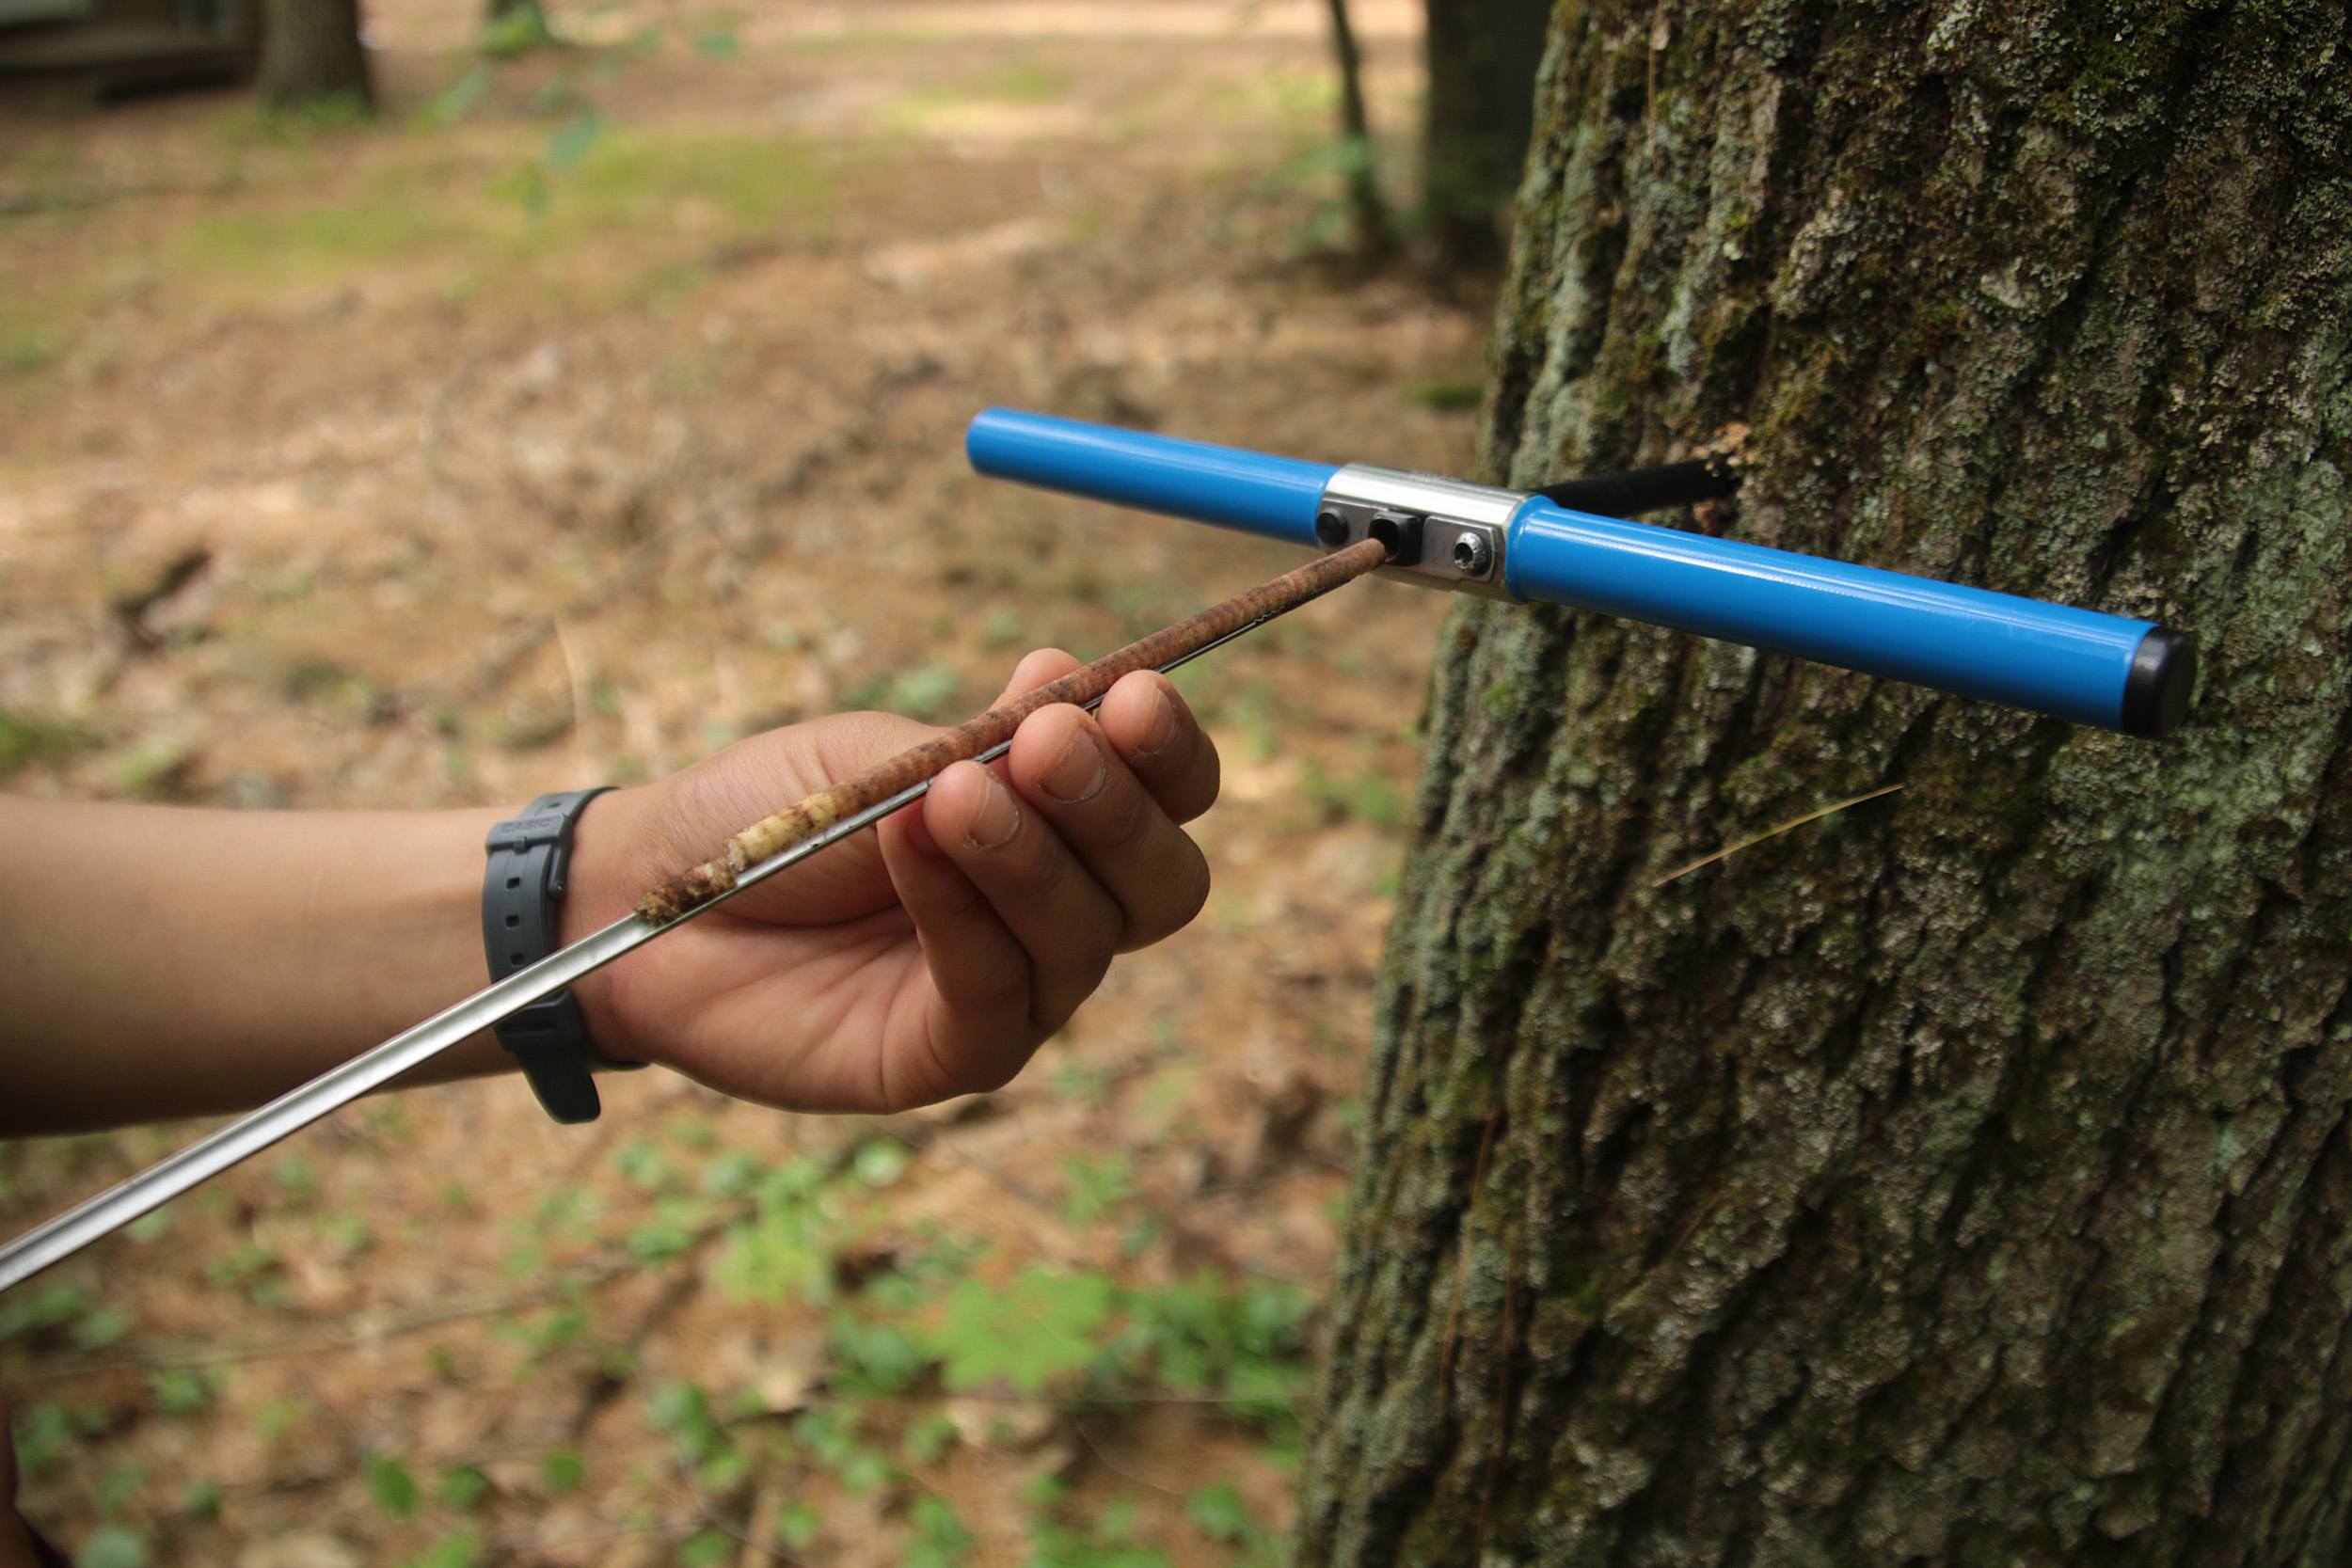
x: 1770, y: 833
x: 772, y: 835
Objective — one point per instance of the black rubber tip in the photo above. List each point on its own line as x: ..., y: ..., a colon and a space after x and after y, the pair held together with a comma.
x: 2164, y: 673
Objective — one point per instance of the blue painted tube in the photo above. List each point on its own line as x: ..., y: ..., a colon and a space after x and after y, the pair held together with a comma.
x: 1274, y: 497
x: 2044, y: 658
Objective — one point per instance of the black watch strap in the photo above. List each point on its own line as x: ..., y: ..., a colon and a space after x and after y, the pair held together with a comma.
x: 530, y: 857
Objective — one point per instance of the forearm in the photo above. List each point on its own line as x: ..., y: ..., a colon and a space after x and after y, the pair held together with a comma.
x: 159, y: 962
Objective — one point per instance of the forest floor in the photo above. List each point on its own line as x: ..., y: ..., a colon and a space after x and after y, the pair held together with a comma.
x: 589, y: 411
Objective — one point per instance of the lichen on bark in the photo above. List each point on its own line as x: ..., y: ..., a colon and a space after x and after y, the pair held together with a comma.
x: 1965, y: 1178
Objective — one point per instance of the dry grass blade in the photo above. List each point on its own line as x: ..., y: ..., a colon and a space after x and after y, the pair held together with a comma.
x: 1773, y: 832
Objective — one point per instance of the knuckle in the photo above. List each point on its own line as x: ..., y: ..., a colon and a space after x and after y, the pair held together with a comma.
x: 1122, y: 821
x: 1173, y: 905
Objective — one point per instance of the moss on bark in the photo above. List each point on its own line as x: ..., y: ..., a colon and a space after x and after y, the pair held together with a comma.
x: 1965, y: 1178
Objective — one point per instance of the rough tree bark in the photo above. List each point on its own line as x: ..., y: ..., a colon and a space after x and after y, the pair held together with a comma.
x: 1482, y: 57
x: 1965, y: 1178
x: 310, y: 55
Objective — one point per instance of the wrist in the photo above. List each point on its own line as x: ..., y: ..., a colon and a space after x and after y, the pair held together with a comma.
x: 611, y: 869
x: 607, y: 873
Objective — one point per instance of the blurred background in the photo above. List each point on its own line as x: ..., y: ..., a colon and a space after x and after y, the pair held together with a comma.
x: 551, y: 397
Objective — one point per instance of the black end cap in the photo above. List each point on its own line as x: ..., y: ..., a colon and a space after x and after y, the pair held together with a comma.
x: 2156, y: 693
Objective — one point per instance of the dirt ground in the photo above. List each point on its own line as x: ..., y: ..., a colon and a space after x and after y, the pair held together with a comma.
x: 592, y: 410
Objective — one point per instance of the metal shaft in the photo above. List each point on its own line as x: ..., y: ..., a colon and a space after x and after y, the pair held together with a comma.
x: 69, y: 1232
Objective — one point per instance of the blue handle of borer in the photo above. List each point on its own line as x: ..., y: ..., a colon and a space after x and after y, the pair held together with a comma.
x: 2044, y: 658
x: 1276, y: 497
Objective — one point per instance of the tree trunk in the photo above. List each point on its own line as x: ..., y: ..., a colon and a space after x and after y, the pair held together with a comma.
x: 311, y: 55
x: 1482, y: 57
x: 1368, y: 215
x: 1965, y: 1178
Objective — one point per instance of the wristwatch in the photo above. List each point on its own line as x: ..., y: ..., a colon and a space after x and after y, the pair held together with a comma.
x: 530, y: 857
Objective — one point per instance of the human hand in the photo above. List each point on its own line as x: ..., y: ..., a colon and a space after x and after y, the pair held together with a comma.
x: 926, y: 960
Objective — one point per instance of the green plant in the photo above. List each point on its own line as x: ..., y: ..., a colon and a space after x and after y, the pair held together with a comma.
x: 1095, y: 1186
x: 928, y: 1438
x: 114, y: 1547
x: 180, y: 1390
x: 921, y: 693
x: 797, y: 1526
x: 1218, y: 1513
x: 390, y: 1487
x: 560, y: 1329
x: 831, y: 1437
x: 561, y: 1471
x: 86, y: 1324
x: 516, y: 30
x: 784, y: 1248
x: 730, y: 1173
x: 1037, y: 1328
x: 42, y: 1433
x: 276, y: 1418
x: 457, y: 100
x: 1056, y: 1545
x: 873, y: 1357
x: 119, y: 1484
x: 1198, y: 1336
x: 463, y: 1487
x: 296, y: 1180
x: 880, y: 1162
x: 940, y: 1539
x: 683, y: 1411
x: 677, y: 1225
x: 456, y: 1551
x: 245, y: 1263
x: 645, y: 1166
x: 23, y: 740
x: 47, y: 1307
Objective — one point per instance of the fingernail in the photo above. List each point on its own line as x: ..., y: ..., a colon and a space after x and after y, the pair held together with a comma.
x: 998, y: 818
x: 1079, y: 775
x: 1162, y: 735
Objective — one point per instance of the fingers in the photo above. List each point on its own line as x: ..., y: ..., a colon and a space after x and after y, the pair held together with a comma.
x: 1066, y: 771
x: 1150, y: 725
x: 1025, y: 878
x: 985, y: 1015
x: 1154, y: 733
x: 1111, y: 790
